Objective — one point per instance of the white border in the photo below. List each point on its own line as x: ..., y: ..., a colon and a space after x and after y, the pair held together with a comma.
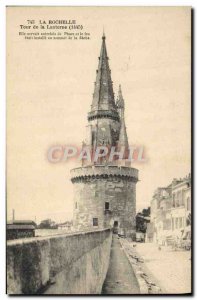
x: 3, y: 4
x: 98, y: 3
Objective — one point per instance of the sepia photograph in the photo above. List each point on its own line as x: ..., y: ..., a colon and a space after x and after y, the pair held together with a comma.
x: 98, y: 150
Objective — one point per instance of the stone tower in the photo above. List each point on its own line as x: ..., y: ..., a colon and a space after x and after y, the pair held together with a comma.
x: 105, y: 191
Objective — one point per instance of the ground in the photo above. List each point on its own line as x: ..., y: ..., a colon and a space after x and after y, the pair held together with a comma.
x: 171, y: 269
x: 120, y: 277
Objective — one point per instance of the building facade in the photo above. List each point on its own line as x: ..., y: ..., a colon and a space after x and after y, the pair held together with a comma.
x: 65, y: 226
x: 105, y: 191
x: 171, y: 213
x: 17, y: 229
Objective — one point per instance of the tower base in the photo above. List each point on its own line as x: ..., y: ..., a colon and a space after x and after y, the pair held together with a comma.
x: 105, y: 196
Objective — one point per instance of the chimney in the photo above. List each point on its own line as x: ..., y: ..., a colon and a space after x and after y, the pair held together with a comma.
x: 13, y: 215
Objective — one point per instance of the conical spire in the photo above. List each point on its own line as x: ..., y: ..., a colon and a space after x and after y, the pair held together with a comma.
x: 103, y: 97
x: 123, y: 139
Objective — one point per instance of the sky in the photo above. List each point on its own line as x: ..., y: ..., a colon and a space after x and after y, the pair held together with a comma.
x: 49, y: 93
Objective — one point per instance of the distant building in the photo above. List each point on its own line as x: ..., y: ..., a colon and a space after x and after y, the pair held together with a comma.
x: 66, y: 226
x: 20, y: 229
x: 171, y: 213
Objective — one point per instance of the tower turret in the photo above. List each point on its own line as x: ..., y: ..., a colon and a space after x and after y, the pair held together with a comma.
x: 123, y: 139
x: 120, y: 102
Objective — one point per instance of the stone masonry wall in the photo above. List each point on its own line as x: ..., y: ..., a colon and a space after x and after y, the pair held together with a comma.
x: 63, y: 264
x: 90, y: 198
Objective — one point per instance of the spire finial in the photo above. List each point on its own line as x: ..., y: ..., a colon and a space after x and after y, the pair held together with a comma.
x: 103, y: 37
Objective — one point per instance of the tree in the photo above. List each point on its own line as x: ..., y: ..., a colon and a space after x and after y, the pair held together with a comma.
x: 142, y: 218
x: 47, y: 224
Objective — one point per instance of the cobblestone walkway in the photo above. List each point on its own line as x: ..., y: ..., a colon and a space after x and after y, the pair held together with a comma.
x: 172, y: 269
x: 120, y: 277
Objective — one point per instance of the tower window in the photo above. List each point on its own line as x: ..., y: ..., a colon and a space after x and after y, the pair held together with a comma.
x: 115, y: 223
x: 95, y: 221
x: 106, y: 205
x: 75, y: 205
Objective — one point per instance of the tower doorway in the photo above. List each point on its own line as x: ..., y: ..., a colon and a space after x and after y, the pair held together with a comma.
x: 115, y: 227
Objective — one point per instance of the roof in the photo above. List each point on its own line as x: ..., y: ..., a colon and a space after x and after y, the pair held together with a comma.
x: 181, y: 183
x: 14, y: 226
x: 22, y: 222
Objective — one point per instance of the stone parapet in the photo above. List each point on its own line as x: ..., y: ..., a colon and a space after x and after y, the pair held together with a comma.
x: 99, y: 172
x: 65, y: 264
